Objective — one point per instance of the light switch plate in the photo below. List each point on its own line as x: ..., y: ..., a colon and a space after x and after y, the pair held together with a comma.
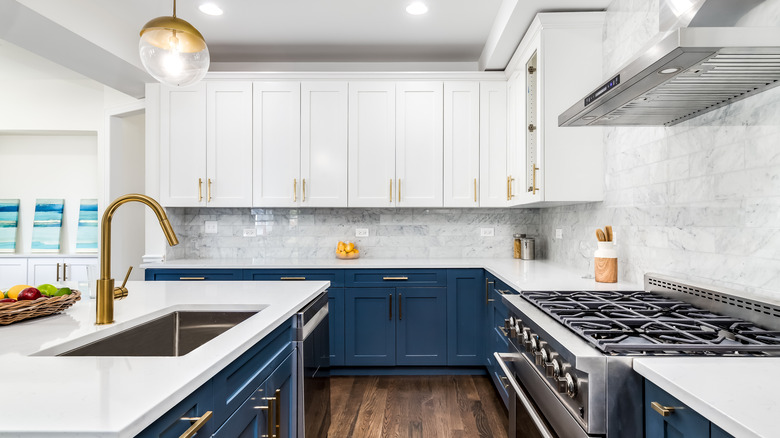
x: 211, y: 227
x: 250, y: 232
x: 558, y: 233
x: 361, y: 232
x: 487, y: 232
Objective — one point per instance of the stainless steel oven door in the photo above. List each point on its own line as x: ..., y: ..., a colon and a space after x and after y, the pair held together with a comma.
x: 314, y: 365
x: 526, y: 419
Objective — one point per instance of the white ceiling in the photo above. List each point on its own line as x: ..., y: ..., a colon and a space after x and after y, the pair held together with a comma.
x: 356, y: 31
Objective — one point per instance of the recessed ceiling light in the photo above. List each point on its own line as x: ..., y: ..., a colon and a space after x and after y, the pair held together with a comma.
x: 210, y: 9
x: 668, y: 71
x: 417, y: 8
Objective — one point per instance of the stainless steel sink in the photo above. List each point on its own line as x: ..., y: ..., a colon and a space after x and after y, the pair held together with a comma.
x: 173, y: 334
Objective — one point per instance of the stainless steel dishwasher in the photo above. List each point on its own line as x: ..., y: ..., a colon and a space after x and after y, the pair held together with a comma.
x: 312, y: 341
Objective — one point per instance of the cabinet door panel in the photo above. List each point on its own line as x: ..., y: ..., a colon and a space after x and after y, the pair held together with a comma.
x: 369, y: 326
x: 276, y: 144
x: 466, y: 302
x: 419, y: 147
x: 182, y: 145
x: 280, y: 385
x: 324, y: 144
x: 682, y: 423
x: 229, y: 144
x: 493, y: 144
x: 171, y: 424
x: 421, y: 326
x: 336, y: 325
x: 44, y: 270
x: 12, y: 272
x: 461, y: 144
x: 371, y: 144
x: 75, y: 269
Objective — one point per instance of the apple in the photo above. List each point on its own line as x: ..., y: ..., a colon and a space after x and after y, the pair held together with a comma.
x: 7, y: 300
x: 30, y: 293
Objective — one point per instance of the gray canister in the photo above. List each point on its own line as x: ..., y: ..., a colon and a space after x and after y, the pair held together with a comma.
x: 527, y: 248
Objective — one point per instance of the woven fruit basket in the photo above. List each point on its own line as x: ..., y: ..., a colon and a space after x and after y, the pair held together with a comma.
x: 13, y: 312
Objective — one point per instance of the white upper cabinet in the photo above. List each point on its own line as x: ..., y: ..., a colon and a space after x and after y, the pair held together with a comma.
x: 323, y: 144
x: 461, y: 144
x: 419, y: 147
x: 371, y: 166
x: 206, y: 145
x: 229, y: 144
x: 277, y: 144
x: 494, y: 183
x: 183, y: 146
x: 559, y: 57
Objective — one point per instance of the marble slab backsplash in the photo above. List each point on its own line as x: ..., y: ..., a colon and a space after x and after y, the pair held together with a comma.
x: 314, y: 233
x: 698, y: 200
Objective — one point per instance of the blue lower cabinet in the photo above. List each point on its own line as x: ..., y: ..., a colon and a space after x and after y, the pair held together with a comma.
x: 336, y: 325
x: 369, y: 326
x: 195, y: 405
x: 467, y: 296
x: 269, y: 411
x: 335, y: 276
x: 679, y: 422
x: 193, y: 274
x: 421, y: 326
x: 717, y: 432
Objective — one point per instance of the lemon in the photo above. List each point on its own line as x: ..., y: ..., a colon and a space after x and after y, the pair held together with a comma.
x: 14, y: 291
x: 47, y: 289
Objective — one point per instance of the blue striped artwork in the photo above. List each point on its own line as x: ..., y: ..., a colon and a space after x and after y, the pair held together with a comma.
x: 47, y: 225
x: 9, y: 222
x: 87, y: 234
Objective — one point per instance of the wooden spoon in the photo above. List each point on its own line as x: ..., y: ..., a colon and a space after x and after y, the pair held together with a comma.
x: 609, y: 233
x: 600, y: 235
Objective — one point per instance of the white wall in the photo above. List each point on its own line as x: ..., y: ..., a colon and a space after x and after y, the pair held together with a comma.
x: 48, y: 166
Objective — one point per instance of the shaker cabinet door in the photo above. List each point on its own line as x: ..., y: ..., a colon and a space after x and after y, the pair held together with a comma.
x: 183, y: 146
x: 369, y: 326
x: 421, y: 318
x: 461, y: 144
x: 493, y: 172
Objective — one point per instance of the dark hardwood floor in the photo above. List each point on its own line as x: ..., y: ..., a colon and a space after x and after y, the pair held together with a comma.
x: 415, y: 407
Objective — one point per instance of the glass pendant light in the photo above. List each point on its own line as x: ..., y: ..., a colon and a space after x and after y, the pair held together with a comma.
x: 173, y: 51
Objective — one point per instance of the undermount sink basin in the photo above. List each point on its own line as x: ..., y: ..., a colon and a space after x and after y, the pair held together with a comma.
x: 174, y: 334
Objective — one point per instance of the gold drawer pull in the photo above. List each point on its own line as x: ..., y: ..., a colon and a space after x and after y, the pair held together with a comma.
x: 200, y: 189
x: 292, y: 278
x: 394, y: 278
x: 665, y: 411
x: 208, y: 191
x: 192, y: 278
x: 503, y: 292
x: 197, y: 423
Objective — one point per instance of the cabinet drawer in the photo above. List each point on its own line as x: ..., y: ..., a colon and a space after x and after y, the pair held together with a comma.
x: 193, y: 275
x: 396, y: 277
x: 336, y: 278
x: 171, y: 424
x: 244, y: 375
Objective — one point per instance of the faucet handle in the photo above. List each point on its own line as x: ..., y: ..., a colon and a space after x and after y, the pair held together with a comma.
x: 121, y: 291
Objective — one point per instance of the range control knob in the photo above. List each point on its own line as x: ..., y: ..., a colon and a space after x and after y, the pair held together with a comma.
x: 560, y: 379
x: 518, y: 329
x: 509, y: 323
x: 534, y: 343
x: 527, y: 338
x: 541, y: 355
x: 552, y: 365
x: 571, y: 385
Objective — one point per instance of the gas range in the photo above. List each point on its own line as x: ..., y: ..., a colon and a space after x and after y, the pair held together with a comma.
x: 571, y: 352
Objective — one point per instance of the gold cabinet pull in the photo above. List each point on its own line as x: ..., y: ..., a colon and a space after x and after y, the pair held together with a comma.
x: 197, y: 423
x: 192, y: 278
x: 503, y: 292
x: 295, y: 190
x: 58, y: 272
x: 391, y: 190
x: 292, y: 278
x: 270, y: 422
x: 400, y: 309
x: 511, y: 195
x: 200, y: 189
x: 278, y: 412
x: 475, y: 190
x: 399, y: 190
x: 533, y: 187
x: 304, y: 190
x: 487, y: 291
x: 390, y: 307
x: 394, y: 278
x: 64, y: 272
x: 208, y: 191
x: 665, y: 411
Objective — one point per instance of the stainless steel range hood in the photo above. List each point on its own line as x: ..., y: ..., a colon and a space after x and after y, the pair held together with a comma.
x: 706, y: 60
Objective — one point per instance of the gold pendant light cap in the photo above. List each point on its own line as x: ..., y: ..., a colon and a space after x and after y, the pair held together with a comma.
x: 158, y: 33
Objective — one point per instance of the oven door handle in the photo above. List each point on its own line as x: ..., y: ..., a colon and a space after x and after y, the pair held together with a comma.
x: 544, y: 430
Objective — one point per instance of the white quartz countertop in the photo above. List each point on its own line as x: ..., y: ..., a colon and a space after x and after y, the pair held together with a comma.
x: 737, y: 394
x: 520, y: 274
x: 120, y: 396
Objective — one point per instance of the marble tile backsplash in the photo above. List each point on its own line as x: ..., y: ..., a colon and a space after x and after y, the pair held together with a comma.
x: 699, y: 200
x: 314, y: 233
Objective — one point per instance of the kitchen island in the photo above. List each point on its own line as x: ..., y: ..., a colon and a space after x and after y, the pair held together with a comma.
x: 46, y: 395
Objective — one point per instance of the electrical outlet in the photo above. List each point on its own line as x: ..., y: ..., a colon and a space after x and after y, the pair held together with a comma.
x: 361, y: 232
x: 487, y: 232
x: 250, y: 232
x: 211, y: 227
x: 558, y: 233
